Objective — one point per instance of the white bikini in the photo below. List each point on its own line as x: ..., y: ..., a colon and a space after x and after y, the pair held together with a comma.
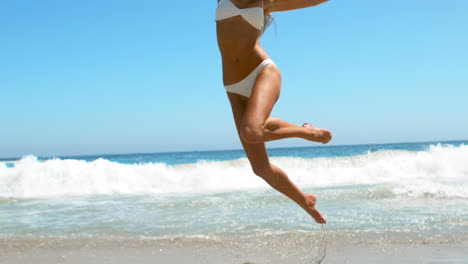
x: 255, y: 17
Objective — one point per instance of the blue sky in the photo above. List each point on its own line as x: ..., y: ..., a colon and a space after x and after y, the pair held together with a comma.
x: 114, y: 76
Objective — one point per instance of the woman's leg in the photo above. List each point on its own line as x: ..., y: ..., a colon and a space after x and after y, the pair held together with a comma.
x: 275, y: 129
x: 257, y: 126
x: 274, y: 176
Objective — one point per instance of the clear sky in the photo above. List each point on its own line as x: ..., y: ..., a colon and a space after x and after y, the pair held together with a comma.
x: 114, y: 76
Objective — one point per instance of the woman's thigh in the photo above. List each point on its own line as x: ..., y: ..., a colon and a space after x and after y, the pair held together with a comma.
x: 256, y: 153
x: 264, y: 95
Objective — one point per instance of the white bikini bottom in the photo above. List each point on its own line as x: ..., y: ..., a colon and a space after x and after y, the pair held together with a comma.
x: 245, y: 86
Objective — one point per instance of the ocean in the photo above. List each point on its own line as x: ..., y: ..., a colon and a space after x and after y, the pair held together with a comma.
x: 376, y: 195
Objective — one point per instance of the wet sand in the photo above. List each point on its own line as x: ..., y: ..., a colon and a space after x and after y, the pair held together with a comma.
x: 120, y: 251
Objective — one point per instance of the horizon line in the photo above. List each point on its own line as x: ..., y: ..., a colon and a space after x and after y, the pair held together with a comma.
x: 6, y: 159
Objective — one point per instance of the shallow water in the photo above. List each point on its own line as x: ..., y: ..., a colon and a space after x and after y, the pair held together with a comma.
x: 394, y: 192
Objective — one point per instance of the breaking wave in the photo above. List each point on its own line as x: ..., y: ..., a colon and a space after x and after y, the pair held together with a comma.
x: 441, y: 171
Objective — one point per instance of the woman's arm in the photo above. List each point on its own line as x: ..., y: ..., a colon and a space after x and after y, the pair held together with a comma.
x: 285, y: 5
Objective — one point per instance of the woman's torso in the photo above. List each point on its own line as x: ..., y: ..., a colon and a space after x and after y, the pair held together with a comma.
x: 239, y: 44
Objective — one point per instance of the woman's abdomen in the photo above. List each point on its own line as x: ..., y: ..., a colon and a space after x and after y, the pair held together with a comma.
x: 240, y: 53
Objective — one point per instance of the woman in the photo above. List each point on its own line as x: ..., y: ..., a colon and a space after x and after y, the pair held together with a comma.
x: 253, y: 83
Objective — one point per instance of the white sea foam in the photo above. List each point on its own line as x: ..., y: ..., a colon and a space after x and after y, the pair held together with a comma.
x: 442, y: 171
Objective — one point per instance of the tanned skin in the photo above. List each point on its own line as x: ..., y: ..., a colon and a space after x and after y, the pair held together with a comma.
x: 241, y: 53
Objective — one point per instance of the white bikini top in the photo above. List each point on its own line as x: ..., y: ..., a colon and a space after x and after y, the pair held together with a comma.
x: 253, y: 15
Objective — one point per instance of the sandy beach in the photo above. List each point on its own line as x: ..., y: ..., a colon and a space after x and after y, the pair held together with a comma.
x: 120, y: 251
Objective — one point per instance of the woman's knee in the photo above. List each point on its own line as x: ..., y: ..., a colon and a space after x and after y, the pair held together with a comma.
x: 252, y: 134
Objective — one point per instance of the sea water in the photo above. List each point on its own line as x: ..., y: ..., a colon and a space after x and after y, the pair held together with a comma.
x: 398, y: 193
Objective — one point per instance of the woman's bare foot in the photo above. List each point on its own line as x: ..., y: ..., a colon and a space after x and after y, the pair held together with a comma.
x: 312, y: 210
x: 318, y: 134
